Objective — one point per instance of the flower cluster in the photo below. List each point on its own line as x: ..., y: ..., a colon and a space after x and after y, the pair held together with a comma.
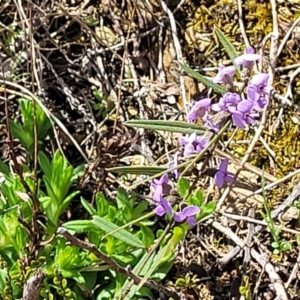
x: 161, y: 187
x: 244, y: 111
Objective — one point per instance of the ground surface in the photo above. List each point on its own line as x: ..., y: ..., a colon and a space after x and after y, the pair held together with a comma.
x: 97, y: 64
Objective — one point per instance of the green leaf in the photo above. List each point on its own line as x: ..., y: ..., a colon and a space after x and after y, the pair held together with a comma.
x: 73, y: 274
x: 180, y: 282
x: 286, y: 246
x: 92, y: 211
x: 139, y: 209
x: 217, y: 88
x: 66, y: 202
x: 139, y: 170
x: 4, y: 168
x: 162, y: 271
x: 123, y: 203
x: 183, y: 187
x: 178, y: 235
x: 25, y: 137
x: 44, y: 163
x: 172, y: 126
x: 298, y: 240
x: 121, y: 234
x: 142, y: 267
x: 148, y: 236
x: 196, y: 199
x: 206, y: 210
x: 228, y: 47
x: 81, y: 226
x: 275, y: 245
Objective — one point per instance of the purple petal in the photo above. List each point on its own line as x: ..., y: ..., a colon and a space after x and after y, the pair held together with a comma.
x: 249, y: 50
x: 244, y: 58
x: 188, y: 150
x: 204, y: 103
x: 198, y: 109
x: 183, y: 140
x: 229, y: 177
x: 224, y: 165
x: 259, y: 79
x: 252, y: 92
x: 239, y: 120
x: 245, y: 106
x: 252, y: 57
x: 261, y: 102
x: 202, y: 143
x: 219, y: 179
x: 167, y: 206
x: 157, y: 193
x: 190, y: 210
x: 159, y: 210
x: 239, y: 60
x: 232, y: 109
x: 231, y: 98
x: 164, y: 179
x: 191, y: 220
x: 215, y: 107
x: 179, y: 217
x: 191, y: 116
x: 224, y: 71
x: 192, y: 137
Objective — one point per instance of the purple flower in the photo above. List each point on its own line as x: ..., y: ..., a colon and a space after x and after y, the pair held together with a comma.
x: 160, y: 187
x: 164, y: 207
x: 242, y: 114
x: 225, y: 75
x: 193, y: 143
x: 187, y: 214
x: 228, y: 99
x: 258, y: 86
x: 174, y: 164
x: 222, y: 175
x: 247, y: 59
x: 209, y: 124
x: 198, y: 110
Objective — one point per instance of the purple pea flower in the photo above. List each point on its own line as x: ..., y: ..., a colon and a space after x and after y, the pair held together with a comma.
x: 222, y: 175
x: 193, y: 143
x: 163, y: 207
x: 198, y: 110
x: 187, y: 214
x: 258, y: 87
x: 228, y: 99
x: 242, y: 114
x: 160, y: 187
x: 225, y: 75
x: 247, y: 59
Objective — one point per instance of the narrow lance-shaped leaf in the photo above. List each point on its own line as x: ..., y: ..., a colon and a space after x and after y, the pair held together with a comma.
x: 228, y: 47
x: 171, y: 126
x: 121, y: 234
x: 217, y: 88
x: 139, y: 170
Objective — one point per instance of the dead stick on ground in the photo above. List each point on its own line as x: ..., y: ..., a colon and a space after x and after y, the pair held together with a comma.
x: 269, y: 268
x: 177, y: 49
